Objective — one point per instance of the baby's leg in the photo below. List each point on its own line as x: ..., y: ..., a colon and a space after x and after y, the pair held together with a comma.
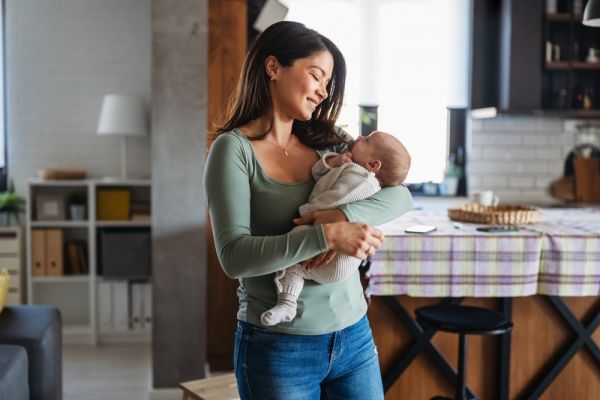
x: 340, y: 268
x: 289, y: 285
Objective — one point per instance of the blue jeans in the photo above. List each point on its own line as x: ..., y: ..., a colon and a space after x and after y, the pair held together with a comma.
x: 339, y: 365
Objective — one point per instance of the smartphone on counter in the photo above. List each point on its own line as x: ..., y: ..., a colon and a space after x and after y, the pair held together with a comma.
x: 420, y: 229
x: 497, y: 228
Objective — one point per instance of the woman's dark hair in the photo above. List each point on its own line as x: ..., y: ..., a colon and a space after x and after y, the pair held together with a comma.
x: 287, y: 41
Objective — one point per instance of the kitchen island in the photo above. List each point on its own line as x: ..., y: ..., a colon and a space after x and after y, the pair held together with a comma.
x: 545, y: 277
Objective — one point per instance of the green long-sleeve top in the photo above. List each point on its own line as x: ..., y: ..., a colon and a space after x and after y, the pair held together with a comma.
x: 251, y: 217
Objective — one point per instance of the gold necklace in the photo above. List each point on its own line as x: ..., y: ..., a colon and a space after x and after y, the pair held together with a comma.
x: 284, y: 148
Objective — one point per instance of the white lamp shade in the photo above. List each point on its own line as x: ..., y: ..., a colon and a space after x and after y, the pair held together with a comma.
x: 122, y: 115
x: 271, y: 12
x: 591, y: 14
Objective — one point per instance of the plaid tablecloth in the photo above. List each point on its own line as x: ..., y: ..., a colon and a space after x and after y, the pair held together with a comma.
x: 559, y: 256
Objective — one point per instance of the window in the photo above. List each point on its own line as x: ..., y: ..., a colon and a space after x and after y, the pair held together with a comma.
x: 2, y: 103
x: 408, y: 56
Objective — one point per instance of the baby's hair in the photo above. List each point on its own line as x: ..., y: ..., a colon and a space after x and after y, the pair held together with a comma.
x: 395, y: 162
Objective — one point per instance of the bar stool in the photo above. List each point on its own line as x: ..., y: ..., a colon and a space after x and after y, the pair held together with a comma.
x: 464, y: 320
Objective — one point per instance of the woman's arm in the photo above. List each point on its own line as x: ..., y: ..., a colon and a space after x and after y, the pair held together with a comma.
x: 384, y: 206
x: 227, y: 187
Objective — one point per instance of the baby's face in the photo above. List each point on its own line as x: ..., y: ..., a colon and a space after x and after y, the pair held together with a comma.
x: 367, y: 148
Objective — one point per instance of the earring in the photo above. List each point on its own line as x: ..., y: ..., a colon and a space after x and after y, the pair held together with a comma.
x: 272, y: 78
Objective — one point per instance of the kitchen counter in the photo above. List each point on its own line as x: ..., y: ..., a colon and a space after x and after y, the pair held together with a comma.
x: 432, y: 203
x: 544, y: 277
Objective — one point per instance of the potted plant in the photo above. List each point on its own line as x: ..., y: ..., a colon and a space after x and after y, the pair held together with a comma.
x: 77, y: 203
x: 10, y: 204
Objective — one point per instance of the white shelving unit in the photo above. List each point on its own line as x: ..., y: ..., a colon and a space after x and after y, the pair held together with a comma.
x: 10, y: 258
x: 76, y: 295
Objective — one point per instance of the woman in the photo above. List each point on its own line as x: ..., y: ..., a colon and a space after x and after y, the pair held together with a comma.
x: 281, y: 119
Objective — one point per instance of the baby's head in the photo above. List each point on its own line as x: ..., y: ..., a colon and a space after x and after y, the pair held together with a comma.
x: 383, y: 154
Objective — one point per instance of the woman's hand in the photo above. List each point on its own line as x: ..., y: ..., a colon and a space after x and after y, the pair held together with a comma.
x: 353, y: 239
x: 317, y: 261
x: 318, y: 218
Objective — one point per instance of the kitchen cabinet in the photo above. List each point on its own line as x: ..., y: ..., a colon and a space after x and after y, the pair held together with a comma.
x: 526, y: 60
x: 571, y: 66
x: 506, y: 55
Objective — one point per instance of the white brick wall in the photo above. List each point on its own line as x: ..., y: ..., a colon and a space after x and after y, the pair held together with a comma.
x: 518, y: 157
x: 62, y: 57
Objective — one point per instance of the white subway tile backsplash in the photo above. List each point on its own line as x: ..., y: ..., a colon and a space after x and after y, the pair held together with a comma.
x: 521, y: 182
x: 495, y: 181
x: 543, y: 182
x: 509, y: 139
x: 555, y: 168
x: 475, y: 181
x: 518, y: 157
x: 538, y: 195
x: 521, y: 124
x: 548, y: 153
x: 562, y: 139
x: 496, y: 153
x: 535, y: 139
x: 549, y: 125
x: 533, y: 167
x: 476, y: 153
x: 493, y: 167
x: 520, y: 153
x: 507, y: 195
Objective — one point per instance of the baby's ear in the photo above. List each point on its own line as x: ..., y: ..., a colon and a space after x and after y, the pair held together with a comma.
x: 374, y: 165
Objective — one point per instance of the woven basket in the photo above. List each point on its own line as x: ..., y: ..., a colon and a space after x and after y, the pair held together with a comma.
x: 498, y: 215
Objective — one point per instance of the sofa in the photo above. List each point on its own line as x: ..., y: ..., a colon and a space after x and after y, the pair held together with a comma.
x: 30, y: 353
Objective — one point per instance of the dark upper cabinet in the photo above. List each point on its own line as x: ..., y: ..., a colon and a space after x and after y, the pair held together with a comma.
x: 506, y: 55
x: 485, y: 53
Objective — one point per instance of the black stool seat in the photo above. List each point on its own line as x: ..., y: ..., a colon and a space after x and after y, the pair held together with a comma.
x: 463, y: 319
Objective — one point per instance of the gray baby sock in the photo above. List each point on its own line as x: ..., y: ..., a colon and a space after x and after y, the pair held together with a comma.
x: 284, y: 311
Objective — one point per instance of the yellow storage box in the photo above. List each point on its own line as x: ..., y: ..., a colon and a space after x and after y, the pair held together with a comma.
x: 114, y: 205
x: 4, y: 284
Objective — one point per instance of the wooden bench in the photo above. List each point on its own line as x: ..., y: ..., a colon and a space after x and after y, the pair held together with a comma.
x: 223, y: 387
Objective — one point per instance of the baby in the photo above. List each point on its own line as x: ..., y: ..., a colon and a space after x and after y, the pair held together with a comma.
x: 371, y: 162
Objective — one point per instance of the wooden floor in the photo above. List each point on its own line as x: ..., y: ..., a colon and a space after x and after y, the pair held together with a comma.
x: 106, y: 372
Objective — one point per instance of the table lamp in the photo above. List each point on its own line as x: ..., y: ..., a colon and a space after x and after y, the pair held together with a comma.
x: 122, y: 115
x: 591, y: 14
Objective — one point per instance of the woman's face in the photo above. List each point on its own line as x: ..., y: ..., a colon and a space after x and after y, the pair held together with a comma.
x: 298, y: 90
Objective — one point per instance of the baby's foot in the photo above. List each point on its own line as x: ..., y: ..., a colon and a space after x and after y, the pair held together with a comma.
x: 284, y: 311
x: 277, y: 314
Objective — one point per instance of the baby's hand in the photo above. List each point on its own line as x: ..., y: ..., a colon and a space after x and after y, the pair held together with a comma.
x: 340, y: 159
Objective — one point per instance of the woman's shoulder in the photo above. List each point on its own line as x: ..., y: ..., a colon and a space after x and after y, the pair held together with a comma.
x: 232, y: 143
x: 232, y: 140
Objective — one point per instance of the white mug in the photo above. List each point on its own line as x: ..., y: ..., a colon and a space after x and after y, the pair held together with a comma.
x: 485, y: 198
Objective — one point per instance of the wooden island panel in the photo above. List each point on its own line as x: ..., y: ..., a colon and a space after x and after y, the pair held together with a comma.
x: 539, y: 331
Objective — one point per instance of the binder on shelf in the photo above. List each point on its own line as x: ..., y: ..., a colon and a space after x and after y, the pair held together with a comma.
x: 105, y: 307
x: 137, y: 306
x: 120, y: 306
x: 54, y: 252
x: 82, y: 258
x: 72, y: 263
x: 147, y: 293
x: 38, y: 252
